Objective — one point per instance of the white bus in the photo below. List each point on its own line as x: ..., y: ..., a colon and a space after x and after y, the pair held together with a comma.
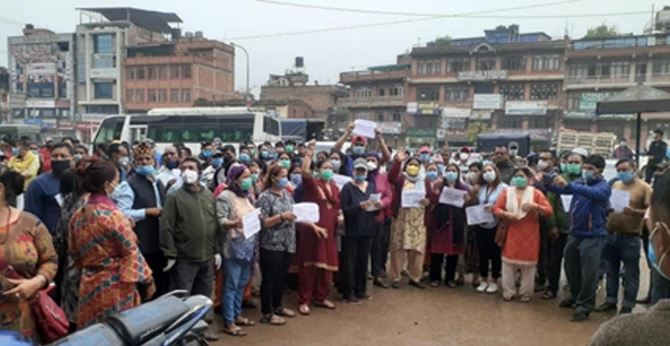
x: 191, y: 126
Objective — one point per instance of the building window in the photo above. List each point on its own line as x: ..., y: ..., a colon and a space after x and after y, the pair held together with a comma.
x: 362, y: 93
x: 512, y: 122
x: 151, y: 96
x: 162, y: 95
x: 396, y: 116
x: 380, y: 117
x: 514, y: 63
x: 512, y: 91
x: 152, y: 72
x: 486, y: 64
x: 544, y: 91
x: 456, y: 93
x: 458, y: 65
x: 546, y: 62
x: 174, y: 71
x: 186, y: 71
x: 620, y: 69
x: 139, y: 95
x: 381, y: 92
x: 185, y: 95
x: 397, y: 90
x: 174, y: 95
x: 661, y: 67
x: 573, y: 101
x: 103, y: 44
x: 429, y: 67
x: 103, y: 90
x: 577, y: 71
x: 130, y: 95
x: 428, y: 94
x: 130, y: 73
x: 139, y: 72
x: 538, y: 123
x: 162, y: 72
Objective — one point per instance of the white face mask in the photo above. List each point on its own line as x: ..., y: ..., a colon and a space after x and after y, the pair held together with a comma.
x: 542, y: 165
x: 463, y: 156
x: 489, y: 176
x: 189, y: 176
x: 372, y: 166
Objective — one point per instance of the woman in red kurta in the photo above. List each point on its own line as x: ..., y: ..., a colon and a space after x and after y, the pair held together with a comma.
x: 317, y: 247
x: 520, y: 205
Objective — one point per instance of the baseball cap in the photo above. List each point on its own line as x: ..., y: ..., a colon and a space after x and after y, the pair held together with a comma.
x: 359, y: 140
x: 361, y: 163
x: 580, y: 151
x: 424, y: 149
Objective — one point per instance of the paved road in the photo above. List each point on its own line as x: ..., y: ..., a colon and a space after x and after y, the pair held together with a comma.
x: 434, y: 316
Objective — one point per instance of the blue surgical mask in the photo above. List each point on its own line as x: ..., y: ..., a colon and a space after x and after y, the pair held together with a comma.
x: 588, y: 176
x: 358, y: 150
x: 625, y: 176
x: 206, y: 153
x: 282, y: 182
x: 145, y: 170
x: 431, y: 175
x: 451, y: 176
x: 360, y: 178
x: 424, y: 157
x: 296, y: 178
x: 244, y: 157
x: 265, y: 155
x: 15, y: 151
x: 217, y: 162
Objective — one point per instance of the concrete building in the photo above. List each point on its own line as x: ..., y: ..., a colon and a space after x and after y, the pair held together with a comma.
x: 503, y: 81
x: 102, y: 39
x: 175, y: 74
x: 378, y: 94
x: 598, y: 68
x: 4, y: 95
x: 41, y: 79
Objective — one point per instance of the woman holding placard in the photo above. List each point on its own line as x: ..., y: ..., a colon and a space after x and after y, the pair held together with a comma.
x: 317, y: 246
x: 489, y: 188
x: 408, y: 232
x: 448, y: 238
x: 521, y: 206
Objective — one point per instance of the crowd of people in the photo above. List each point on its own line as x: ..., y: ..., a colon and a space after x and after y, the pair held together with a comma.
x: 125, y: 223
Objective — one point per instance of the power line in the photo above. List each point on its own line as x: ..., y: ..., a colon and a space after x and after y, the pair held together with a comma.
x: 10, y: 21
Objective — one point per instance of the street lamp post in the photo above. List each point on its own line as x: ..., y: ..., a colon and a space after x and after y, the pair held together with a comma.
x: 246, y: 53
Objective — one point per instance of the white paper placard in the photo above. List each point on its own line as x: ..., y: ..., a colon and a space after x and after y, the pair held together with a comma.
x: 477, y: 214
x: 251, y: 223
x: 365, y: 128
x: 619, y: 200
x: 412, y: 198
x: 453, y: 197
x: 340, y: 180
x: 306, y: 212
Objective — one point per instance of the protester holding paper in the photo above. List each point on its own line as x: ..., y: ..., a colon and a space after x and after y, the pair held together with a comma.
x: 448, y: 238
x: 316, y: 254
x: 359, y: 212
x: 408, y: 231
x: 358, y: 148
x: 622, y: 247
x: 238, y: 251
x: 521, y: 206
x: 277, y: 244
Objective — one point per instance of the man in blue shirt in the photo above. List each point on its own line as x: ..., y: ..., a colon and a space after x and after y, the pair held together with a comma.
x: 41, y: 197
x: 588, y: 220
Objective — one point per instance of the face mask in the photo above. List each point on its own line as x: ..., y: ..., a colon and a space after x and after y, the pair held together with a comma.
x: 358, y: 150
x: 360, y: 178
x: 217, y: 162
x: 520, y: 182
x: 190, y: 177
x: 431, y: 175
x: 15, y: 151
x: 207, y: 153
x: 542, y: 165
x: 296, y: 178
x: 285, y: 163
x: 254, y: 177
x: 451, y: 176
x: 463, y: 156
x: 78, y: 157
x: 145, y: 170
x: 172, y: 164
x: 123, y: 162
x: 574, y: 169
x: 372, y: 166
x: 336, y: 164
x: 424, y: 157
x: 564, y: 167
x: 244, y: 157
x: 513, y: 152
x: 289, y: 149
x: 246, y: 184
x: 472, y: 176
x: 656, y: 261
x: 413, y: 170
x: 265, y: 155
x: 489, y: 176
x: 59, y: 166
x: 625, y: 176
x: 623, y: 144
x: 326, y: 174
x: 441, y: 168
x: 282, y: 182
x: 588, y: 176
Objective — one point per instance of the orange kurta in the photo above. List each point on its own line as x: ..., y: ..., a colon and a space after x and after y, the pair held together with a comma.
x: 522, y: 245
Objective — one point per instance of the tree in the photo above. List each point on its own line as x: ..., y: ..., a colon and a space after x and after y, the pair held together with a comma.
x: 474, y: 129
x: 444, y: 41
x: 601, y: 31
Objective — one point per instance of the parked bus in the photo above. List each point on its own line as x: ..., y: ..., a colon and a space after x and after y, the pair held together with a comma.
x: 16, y: 132
x: 191, y: 126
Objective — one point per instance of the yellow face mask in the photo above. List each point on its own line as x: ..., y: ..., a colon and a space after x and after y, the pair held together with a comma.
x: 413, y: 170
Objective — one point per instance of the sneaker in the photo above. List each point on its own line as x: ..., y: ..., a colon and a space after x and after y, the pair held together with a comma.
x: 579, y: 316
x: 352, y: 301
x: 604, y: 307
x: 625, y: 310
x: 434, y: 283
x: 451, y: 284
x: 482, y: 287
x: 567, y: 303
x: 493, y: 288
x: 416, y: 284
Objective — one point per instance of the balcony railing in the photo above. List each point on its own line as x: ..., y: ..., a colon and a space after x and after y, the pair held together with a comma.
x: 597, y: 80
x: 359, y: 76
x: 397, y: 101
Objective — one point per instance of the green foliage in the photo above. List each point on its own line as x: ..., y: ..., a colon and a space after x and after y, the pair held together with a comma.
x: 601, y: 31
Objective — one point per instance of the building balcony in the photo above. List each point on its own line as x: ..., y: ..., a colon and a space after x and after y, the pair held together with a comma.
x: 372, y: 102
x: 598, y: 82
x: 371, y: 76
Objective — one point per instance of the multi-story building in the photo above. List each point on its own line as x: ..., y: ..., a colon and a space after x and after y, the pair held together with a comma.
x: 41, y: 79
x: 175, y: 74
x: 102, y: 40
x: 503, y: 81
x: 378, y: 94
x: 4, y: 94
x: 598, y: 68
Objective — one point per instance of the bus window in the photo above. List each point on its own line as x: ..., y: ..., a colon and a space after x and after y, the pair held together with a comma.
x: 109, y: 130
x: 270, y: 126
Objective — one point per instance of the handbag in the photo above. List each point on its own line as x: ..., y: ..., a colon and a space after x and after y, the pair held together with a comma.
x: 501, y: 234
x: 50, y: 320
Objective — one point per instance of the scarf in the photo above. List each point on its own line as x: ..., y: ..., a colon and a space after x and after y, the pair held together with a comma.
x: 514, y: 206
x: 234, y: 173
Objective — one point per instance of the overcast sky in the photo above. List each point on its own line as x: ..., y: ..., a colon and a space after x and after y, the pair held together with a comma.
x: 328, y: 53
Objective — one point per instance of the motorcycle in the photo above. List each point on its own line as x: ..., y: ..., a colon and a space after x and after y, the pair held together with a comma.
x: 172, y: 319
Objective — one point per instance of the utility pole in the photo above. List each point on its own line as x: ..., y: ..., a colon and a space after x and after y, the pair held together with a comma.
x: 246, y: 53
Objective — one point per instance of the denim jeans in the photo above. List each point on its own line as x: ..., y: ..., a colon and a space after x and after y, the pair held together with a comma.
x: 624, y: 250
x: 236, y: 274
x: 660, y: 287
x: 582, y: 261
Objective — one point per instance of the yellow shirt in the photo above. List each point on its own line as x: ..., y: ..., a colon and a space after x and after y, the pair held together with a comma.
x: 28, y: 166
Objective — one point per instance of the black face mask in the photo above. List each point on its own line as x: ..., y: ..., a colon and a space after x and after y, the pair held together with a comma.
x: 60, y: 166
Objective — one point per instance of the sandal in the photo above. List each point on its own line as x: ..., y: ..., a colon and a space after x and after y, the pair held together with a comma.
x: 273, y: 319
x: 244, y: 322
x: 233, y: 330
x: 327, y: 304
x: 284, y: 312
x: 303, y: 309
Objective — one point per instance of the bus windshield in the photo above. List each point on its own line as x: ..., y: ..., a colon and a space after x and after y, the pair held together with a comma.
x: 109, y: 130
